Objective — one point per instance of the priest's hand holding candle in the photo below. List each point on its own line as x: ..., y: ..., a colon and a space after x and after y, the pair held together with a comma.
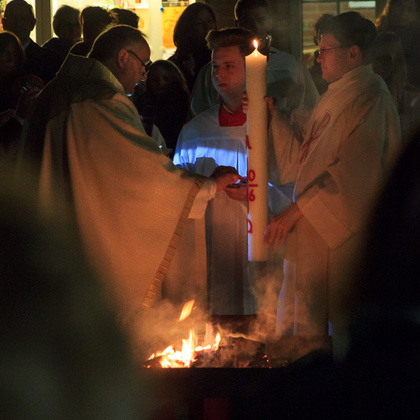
x: 256, y: 69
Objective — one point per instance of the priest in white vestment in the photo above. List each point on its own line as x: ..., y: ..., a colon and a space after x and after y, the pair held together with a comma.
x: 89, y: 149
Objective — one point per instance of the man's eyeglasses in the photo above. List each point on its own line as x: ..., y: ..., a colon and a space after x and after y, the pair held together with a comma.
x: 322, y: 51
x: 145, y: 65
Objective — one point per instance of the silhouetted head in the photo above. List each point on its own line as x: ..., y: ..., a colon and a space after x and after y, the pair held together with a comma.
x: 255, y: 16
x: 164, y: 75
x: 126, y: 17
x: 11, y: 53
x: 398, y: 14
x: 94, y: 20
x: 193, y: 25
x: 19, y: 18
x: 66, y: 24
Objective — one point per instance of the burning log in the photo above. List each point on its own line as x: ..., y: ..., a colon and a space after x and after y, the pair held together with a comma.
x: 225, y: 345
x: 238, y: 352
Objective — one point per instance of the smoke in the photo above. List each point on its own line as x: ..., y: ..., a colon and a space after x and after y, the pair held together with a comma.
x: 266, y: 280
x: 245, y: 339
x: 285, y: 317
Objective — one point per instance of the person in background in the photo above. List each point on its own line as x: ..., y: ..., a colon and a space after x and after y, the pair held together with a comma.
x: 11, y: 60
x: 126, y: 17
x: 17, y: 93
x: 190, y: 40
x: 351, y: 142
x: 164, y: 101
x: 12, y: 57
x: 389, y: 63
x: 67, y: 27
x: 94, y: 20
x: 403, y: 18
x: 288, y: 79
x: 19, y: 18
x: 87, y: 148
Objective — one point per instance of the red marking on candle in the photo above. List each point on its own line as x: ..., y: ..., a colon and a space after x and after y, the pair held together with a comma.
x: 249, y: 226
x: 251, y: 196
x: 252, y: 185
x: 251, y: 175
x: 248, y: 145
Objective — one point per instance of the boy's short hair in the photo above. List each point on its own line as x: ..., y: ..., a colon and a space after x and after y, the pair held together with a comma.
x: 231, y: 37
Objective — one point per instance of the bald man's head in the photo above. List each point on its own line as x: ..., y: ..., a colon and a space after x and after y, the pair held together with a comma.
x: 125, y: 51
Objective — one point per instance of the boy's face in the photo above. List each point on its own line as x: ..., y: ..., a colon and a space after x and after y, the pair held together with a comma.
x: 228, y: 72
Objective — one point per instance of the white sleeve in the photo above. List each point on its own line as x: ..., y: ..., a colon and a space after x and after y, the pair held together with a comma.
x: 206, y: 193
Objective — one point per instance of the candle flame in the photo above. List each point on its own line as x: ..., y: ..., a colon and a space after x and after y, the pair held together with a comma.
x: 255, y: 42
x: 186, y: 310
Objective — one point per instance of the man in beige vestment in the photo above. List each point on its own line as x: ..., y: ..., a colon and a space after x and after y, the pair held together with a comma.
x: 89, y: 149
x: 347, y: 148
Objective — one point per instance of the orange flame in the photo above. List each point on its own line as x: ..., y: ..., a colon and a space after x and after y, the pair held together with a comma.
x: 188, y: 354
x: 171, y: 358
x: 255, y: 42
x: 186, y: 310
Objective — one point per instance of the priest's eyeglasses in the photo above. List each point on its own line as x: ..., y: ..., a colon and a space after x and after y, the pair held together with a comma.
x: 145, y: 65
x: 323, y: 51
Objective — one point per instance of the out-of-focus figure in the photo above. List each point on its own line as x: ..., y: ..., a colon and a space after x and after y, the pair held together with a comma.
x: 403, y: 18
x: 17, y: 93
x: 67, y: 27
x: 190, y: 40
x: 19, y: 18
x: 62, y: 355
x: 126, y: 17
x: 164, y: 101
x: 94, y: 20
x: 12, y: 56
x: 389, y: 62
x: 382, y: 365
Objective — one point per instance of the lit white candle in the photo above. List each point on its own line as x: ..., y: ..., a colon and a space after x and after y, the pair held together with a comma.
x: 256, y: 70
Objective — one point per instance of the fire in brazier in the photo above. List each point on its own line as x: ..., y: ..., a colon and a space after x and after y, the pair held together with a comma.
x: 215, y: 350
